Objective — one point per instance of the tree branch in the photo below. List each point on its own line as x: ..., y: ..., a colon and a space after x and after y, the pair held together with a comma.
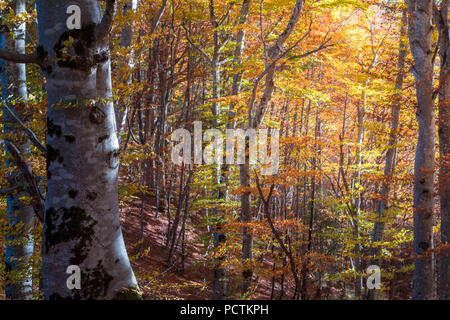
x: 289, y: 28
x: 8, y: 190
x: 104, y: 28
x: 30, y: 133
x: 32, y: 187
x: 158, y: 17
x: 287, y: 251
x: 19, y: 57
x: 207, y: 58
x: 321, y: 47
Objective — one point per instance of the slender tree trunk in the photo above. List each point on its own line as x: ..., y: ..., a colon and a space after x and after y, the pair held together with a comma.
x: 390, y: 153
x: 247, y: 238
x: 444, y: 147
x: 244, y: 173
x: 312, y: 209
x: 420, y: 32
x: 356, y: 227
x: 219, y: 282
x: 19, y: 245
x: 126, y: 42
x: 341, y: 144
x: 81, y: 224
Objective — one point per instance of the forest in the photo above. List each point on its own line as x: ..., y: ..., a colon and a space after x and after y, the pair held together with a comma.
x: 224, y: 150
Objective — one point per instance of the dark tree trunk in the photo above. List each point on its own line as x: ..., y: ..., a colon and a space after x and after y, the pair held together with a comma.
x: 390, y: 153
x: 444, y: 146
x: 420, y: 33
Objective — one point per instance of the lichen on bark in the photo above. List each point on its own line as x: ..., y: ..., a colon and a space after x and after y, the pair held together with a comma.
x: 75, y: 225
x: 85, y: 54
x: 132, y: 293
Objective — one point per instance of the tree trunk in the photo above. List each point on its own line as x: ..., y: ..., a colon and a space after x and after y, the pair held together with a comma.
x: 420, y: 32
x: 356, y: 227
x: 247, y: 238
x: 312, y: 210
x: 81, y: 224
x: 390, y: 153
x: 126, y: 42
x: 19, y: 245
x: 244, y: 169
x: 444, y: 147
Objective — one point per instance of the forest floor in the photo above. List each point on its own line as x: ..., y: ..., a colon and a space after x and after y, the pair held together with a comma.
x: 156, y: 279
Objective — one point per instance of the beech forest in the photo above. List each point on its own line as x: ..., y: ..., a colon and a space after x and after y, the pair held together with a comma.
x: 224, y: 150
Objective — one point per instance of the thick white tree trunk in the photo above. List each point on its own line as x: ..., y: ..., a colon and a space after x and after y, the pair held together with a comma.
x: 81, y: 224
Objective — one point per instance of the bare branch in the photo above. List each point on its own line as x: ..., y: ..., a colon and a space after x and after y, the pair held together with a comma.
x: 158, y: 17
x: 30, y: 133
x: 19, y: 57
x: 289, y: 28
x: 207, y: 58
x: 212, y: 15
x: 321, y: 47
x: 273, y: 63
x: 287, y: 250
x: 266, y: 59
x: 104, y: 28
x: 32, y: 187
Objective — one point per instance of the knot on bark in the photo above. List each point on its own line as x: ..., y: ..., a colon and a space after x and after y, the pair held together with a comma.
x: 113, y: 159
x: 424, y: 245
x: 97, y: 116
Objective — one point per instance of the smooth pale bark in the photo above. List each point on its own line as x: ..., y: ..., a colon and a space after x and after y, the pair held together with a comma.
x: 127, y: 32
x: 81, y: 224
x: 19, y: 246
x: 420, y: 32
x: 444, y: 146
x: 126, y: 42
x: 389, y: 166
